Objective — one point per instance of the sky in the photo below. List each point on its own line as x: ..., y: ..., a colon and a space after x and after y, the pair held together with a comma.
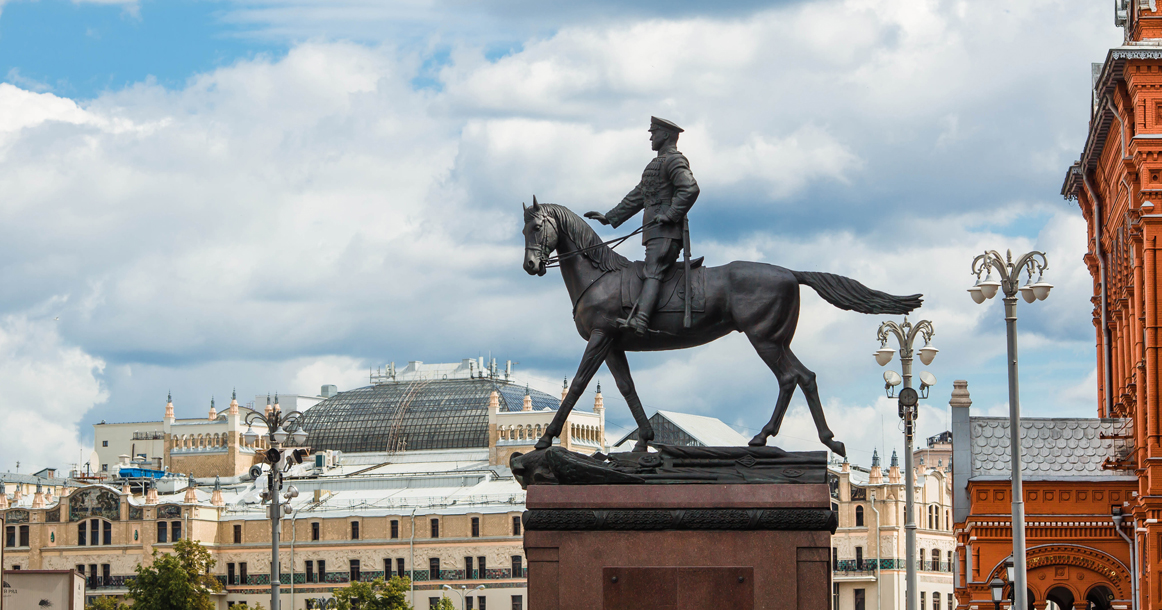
x: 202, y: 196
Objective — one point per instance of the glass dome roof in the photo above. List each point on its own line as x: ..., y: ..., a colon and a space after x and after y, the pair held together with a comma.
x: 414, y: 415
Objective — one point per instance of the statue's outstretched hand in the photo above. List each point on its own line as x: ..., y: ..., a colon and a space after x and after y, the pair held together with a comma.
x: 598, y: 216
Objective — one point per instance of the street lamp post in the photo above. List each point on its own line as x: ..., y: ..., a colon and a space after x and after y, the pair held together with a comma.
x: 279, y: 427
x: 905, y: 335
x: 1009, y: 283
x: 463, y: 603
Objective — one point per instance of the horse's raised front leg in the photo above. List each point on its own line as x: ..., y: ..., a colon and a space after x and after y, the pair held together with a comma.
x: 595, y: 352
x: 619, y: 368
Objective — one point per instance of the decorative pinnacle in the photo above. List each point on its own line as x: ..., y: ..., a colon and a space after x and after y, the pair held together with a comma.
x: 234, y: 394
x: 217, y: 483
x: 598, y: 386
x: 268, y: 400
x: 526, y: 389
x: 565, y: 382
x: 875, y: 458
x: 895, y: 460
x: 169, y: 396
x: 211, y: 402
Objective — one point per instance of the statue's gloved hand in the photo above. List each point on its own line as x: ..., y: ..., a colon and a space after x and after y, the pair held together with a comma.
x: 598, y: 216
x: 664, y: 218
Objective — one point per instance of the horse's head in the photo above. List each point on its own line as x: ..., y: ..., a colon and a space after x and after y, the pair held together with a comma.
x: 540, y: 237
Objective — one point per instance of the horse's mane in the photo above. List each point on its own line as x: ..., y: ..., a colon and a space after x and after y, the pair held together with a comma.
x: 603, y: 257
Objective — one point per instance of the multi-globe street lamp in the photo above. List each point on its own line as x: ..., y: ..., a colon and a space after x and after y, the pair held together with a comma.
x: 1010, y: 284
x: 279, y: 427
x: 905, y: 335
x: 462, y: 591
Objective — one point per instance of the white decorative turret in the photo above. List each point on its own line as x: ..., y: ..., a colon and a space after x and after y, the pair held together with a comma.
x: 3, y: 497
x: 38, y: 497
x: 528, y: 402
x: 269, y: 408
x: 169, y: 407
x: 494, y: 402
x: 894, y: 470
x: 234, y: 402
x: 564, y: 389
x: 213, y: 411
x: 216, y: 497
x: 598, y: 401
x: 877, y: 474
x: 191, y: 489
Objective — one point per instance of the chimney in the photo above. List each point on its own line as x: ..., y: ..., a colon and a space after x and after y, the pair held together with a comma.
x: 528, y: 402
x: 38, y: 497
x: 234, y: 402
x: 961, y: 449
x: 894, y: 470
x: 213, y: 411
x: 216, y: 498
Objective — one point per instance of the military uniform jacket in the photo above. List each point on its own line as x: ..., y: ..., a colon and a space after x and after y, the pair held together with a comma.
x: 667, y: 186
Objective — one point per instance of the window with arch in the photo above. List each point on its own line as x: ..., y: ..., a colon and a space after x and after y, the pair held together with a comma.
x: 936, y: 516
x: 947, y: 520
x: 94, y: 532
x: 859, y: 516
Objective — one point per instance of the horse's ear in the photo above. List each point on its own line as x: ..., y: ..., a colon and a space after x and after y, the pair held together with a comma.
x: 536, y: 206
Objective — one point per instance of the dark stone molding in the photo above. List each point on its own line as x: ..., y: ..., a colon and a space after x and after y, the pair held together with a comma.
x: 574, y: 519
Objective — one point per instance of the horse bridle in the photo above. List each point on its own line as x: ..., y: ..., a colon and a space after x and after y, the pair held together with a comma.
x: 555, y: 261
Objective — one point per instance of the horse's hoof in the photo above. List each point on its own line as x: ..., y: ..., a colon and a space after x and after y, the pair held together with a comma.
x: 836, y: 447
x: 544, y: 443
x: 758, y: 441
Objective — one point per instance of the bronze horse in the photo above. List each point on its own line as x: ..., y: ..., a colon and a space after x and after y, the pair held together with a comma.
x: 756, y: 299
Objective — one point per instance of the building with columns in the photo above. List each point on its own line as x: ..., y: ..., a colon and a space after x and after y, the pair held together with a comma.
x: 408, y: 476
x: 868, y: 549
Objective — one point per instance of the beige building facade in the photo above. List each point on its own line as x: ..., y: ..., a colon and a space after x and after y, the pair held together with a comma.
x: 428, y: 495
x: 868, y: 548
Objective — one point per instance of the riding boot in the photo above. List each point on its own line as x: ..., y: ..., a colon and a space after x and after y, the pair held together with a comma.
x: 640, y: 322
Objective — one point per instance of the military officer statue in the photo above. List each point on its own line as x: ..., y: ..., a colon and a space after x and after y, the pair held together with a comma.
x: 666, y: 192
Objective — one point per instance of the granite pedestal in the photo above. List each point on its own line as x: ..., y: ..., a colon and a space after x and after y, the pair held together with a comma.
x: 693, y: 546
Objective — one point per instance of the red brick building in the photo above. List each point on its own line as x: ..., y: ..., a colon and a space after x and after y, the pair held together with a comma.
x: 1118, y: 185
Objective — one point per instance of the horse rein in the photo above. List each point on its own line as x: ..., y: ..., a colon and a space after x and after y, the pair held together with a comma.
x: 555, y: 261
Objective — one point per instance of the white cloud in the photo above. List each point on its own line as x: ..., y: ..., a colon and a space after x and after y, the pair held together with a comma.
x: 294, y: 219
x: 49, y: 385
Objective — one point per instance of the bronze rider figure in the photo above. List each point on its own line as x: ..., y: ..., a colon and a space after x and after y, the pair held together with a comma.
x: 666, y: 192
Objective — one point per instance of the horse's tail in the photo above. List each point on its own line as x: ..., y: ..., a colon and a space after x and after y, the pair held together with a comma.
x: 846, y: 293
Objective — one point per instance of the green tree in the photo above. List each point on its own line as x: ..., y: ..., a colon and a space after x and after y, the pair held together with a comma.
x: 243, y: 606
x: 445, y: 604
x: 180, y: 581
x: 375, y: 595
x: 106, y: 603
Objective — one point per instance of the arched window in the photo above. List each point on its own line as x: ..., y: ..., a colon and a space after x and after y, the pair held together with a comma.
x: 94, y: 532
x: 947, y: 520
x: 859, y: 516
x: 936, y: 517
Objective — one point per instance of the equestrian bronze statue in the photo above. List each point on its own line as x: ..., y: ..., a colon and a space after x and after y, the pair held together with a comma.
x: 611, y: 295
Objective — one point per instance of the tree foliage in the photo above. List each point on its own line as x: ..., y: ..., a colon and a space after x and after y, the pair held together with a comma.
x: 106, y: 603
x: 375, y: 595
x: 179, y: 581
x: 445, y: 604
